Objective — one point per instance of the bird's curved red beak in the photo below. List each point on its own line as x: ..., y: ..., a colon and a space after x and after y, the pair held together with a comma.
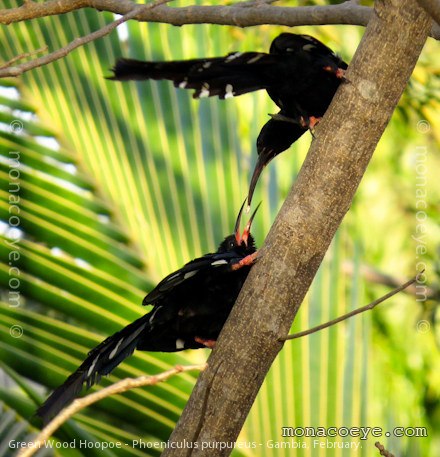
x: 263, y: 159
x: 243, y: 238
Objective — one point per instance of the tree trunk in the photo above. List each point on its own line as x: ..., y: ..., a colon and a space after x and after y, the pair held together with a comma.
x: 295, y: 246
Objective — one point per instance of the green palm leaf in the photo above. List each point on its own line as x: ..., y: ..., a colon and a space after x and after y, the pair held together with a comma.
x: 141, y: 179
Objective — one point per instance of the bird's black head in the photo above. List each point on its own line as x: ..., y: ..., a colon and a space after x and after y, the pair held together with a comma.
x: 230, y: 244
x: 275, y: 137
x: 243, y: 244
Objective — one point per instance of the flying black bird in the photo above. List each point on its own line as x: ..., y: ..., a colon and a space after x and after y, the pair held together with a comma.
x: 190, y: 307
x: 299, y: 73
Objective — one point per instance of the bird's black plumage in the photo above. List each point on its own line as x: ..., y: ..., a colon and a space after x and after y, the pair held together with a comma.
x: 300, y: 74
x: 190, y: 307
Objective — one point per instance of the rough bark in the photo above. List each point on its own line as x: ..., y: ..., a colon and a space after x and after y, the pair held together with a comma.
x: 243, y: 14
x: 294, y: 248
x: 432, y: 7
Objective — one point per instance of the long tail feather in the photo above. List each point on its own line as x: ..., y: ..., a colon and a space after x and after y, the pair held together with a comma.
x: 131, y: 69
x: 225, y: 77
x: 99, y: 362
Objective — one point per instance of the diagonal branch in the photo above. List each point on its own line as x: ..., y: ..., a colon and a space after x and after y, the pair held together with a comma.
x: 81, y: 403
x: 295, y: 246
x: 262, y: 13
x: 76, y: 43
x: 344, y: 317
x: 240, y: 14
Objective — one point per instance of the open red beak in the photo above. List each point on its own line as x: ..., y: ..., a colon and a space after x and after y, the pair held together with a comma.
x: 243, y: 238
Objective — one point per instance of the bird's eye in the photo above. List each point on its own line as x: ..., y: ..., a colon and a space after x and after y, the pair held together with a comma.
x: 231, y: 244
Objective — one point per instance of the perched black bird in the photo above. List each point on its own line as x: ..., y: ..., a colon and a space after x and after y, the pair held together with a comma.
x: 190, y: 307
x: 300, y: 74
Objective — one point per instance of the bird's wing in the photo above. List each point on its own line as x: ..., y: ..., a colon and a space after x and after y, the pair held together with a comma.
x: 202, y: 265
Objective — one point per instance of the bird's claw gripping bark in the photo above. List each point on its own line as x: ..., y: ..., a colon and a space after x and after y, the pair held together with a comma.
x: 248, y: 260
x: 208, y: 343
x: 310, y: 123
x: 339, y: 72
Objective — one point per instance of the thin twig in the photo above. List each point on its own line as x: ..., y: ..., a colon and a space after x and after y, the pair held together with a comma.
x: 382, y: 450
x: 22, y: 56
x: 356, y: 311
x: 81, y: 403
x: 77, y: 42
